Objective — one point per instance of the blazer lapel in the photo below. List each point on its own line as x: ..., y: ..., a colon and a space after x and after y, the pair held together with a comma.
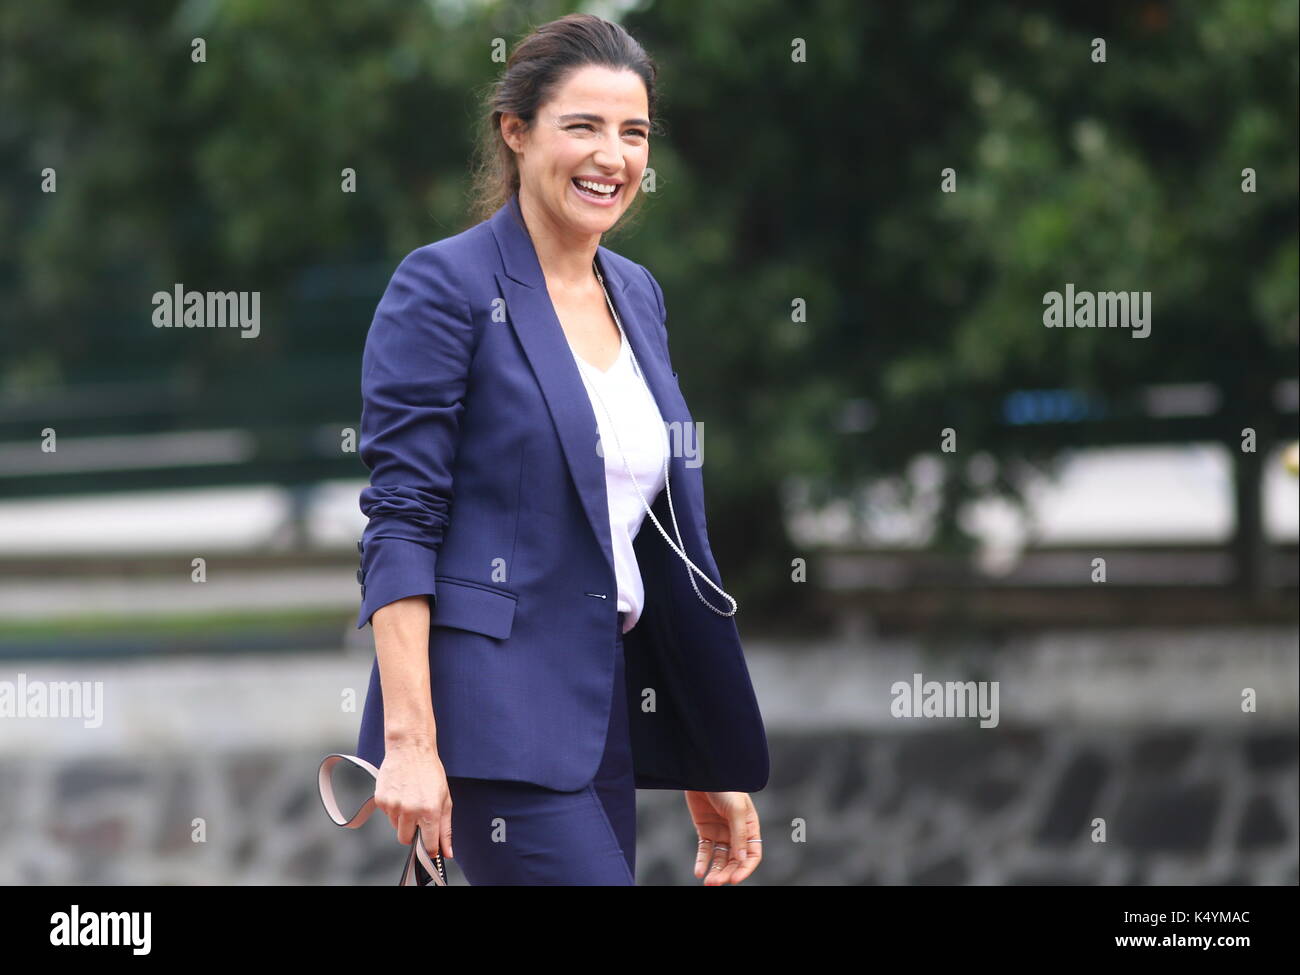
x: 532, y: 316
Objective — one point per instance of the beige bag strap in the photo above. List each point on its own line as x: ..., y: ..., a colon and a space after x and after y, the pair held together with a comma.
x: 410, y: 878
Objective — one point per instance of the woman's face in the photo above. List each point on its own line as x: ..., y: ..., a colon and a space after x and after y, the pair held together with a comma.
x: 596, y: 127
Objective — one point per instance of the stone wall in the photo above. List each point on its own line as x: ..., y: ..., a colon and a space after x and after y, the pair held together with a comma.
x: 203, y: 771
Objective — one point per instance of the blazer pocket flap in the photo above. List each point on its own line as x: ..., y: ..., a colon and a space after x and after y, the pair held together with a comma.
x: 472, y: 606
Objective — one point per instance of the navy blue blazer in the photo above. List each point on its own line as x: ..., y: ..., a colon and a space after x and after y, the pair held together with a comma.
x: 487, y: 494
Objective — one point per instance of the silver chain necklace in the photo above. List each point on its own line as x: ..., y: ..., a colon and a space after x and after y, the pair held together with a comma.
x: 681, y: 552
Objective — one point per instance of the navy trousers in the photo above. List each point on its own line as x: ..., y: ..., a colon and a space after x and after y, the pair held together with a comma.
x: 520, y: 833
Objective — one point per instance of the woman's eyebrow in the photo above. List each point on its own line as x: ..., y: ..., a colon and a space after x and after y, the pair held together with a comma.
x: 588, y: 117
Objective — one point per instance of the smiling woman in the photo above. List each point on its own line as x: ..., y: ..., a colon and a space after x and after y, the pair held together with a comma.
x: 513, y: 462
x: 579, y: 156
x: 578, y: 78
x: 581, y: 168
x: 596, y: 187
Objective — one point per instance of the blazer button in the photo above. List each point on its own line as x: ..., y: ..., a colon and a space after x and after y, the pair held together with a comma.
x: 361, y: 575
x: 360, y: 550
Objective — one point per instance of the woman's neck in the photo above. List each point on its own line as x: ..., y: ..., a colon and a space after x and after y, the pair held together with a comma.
x: 565, y: 259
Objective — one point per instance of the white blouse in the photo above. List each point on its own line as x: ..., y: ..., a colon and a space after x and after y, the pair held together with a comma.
x: 641, y: 432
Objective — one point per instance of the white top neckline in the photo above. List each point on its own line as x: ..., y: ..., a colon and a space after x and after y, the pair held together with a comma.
x: 622, y: 350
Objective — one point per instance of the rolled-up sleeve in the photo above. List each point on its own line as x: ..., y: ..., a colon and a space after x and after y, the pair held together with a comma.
x: 414, y: 374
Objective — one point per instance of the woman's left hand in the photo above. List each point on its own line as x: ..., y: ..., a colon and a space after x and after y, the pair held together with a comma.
x: 730, y: 845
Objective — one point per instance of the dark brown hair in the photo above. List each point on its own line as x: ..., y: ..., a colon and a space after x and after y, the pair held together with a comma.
x: 538, y: 65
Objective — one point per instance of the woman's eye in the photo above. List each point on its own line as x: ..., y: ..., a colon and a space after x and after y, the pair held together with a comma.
x: 592, y: 128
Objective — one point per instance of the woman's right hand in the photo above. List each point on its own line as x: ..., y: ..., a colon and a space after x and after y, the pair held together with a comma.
x: 412, y: 791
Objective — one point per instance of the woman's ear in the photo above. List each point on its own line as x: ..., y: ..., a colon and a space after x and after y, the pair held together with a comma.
x: 510, y: 124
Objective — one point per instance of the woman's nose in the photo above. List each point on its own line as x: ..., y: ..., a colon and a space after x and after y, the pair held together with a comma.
x: 607, y: 161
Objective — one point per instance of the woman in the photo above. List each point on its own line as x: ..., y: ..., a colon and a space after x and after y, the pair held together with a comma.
x: 518, y: 401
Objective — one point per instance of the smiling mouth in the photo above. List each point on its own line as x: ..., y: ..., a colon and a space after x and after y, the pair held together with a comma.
x: 587, y: 191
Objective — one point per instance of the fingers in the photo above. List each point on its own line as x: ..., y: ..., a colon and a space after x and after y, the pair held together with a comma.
x: 738, y: 821
x: 431, y: 824
x: 734, y: 852
x: 753, y: 857
x: 719, y: 865
x: 703, y: 854
x: 432, y: 835
x: 404, y: 822
x: 445, y: 836
x: 712, y: 857
x: 729, y: 852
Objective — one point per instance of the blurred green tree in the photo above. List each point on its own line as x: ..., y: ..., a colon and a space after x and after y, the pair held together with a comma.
x: 779, y: 180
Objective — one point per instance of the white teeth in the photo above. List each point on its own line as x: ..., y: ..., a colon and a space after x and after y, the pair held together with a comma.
x: 601, y: 188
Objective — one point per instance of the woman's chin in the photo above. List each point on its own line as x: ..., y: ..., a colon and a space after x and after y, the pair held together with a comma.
x: 595, y: 223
